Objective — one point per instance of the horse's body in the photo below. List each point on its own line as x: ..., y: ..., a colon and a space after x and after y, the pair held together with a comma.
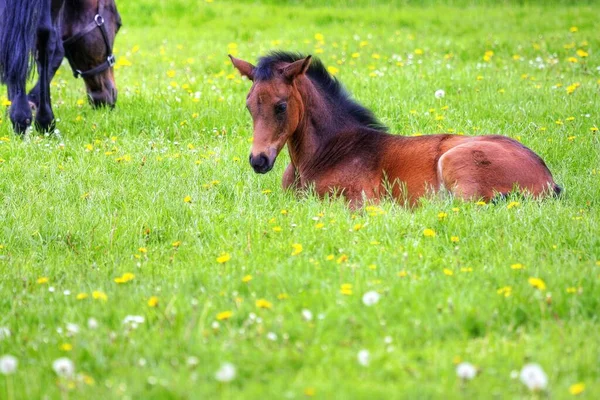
x: 39, y: 27
x: 338, y: 146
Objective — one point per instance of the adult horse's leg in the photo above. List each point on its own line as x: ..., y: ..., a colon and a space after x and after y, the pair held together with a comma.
x: 44, y: 118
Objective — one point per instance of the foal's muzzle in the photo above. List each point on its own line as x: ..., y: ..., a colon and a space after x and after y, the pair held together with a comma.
x: 261, y: 163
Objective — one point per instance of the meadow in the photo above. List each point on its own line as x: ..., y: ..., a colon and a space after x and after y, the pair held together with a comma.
x: 139, y: 244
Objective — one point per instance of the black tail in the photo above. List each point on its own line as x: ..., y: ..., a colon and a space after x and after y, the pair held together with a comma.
x: 18, y: 26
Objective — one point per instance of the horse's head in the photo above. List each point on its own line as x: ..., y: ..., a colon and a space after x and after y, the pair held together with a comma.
x: 276, y: 108
x: 88, y: 32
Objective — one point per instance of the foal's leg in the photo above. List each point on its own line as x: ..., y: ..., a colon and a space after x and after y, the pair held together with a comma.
x: 57, y: 53
x: 483, y: 169
x: 44, y: 118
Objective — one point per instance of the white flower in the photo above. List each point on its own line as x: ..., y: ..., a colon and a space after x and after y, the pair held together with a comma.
x: 370, y: 298
x: 272, y: 336
x: 226, y: 373
x: 307, y: 315
x: 63, y: 367
x: 364, y: 357
x: 8, y: 364
x: 4, y: 333
x: 534, y: 377
x: 192, y: 361
x: 466, y: 371
x: 133, y: 321
x: 439, y: 93
x: 72, y: 329
x: 92, y: 323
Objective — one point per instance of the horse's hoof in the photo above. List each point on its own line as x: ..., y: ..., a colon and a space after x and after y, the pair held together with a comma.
x: 45, y: 124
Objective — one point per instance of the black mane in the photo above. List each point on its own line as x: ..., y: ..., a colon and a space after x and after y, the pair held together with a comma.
x: 330, y: 86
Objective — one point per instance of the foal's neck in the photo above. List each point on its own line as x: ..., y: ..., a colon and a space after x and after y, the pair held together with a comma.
x: 319, y: 123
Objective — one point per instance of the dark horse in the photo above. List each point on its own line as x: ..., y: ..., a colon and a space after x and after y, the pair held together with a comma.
x: 338, y: 146
x: 82, y: 30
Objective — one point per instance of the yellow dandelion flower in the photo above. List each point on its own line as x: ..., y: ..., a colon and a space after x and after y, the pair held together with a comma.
x: 346, y: 289
x: 442, y: 215
x: 577, y: 388
x: 573, y: 29
x: 454, y: 239
x: 505, y: 291
x: 330, y: 257
x: 277, y: 229
x: 448, y: 272
x: 513, y: 204
x: 402, y: 274
x: 224, y: 315
x: 153, y: 301
x: 429, y: 233
x: 342, y: 259
x: 262, y: 303
x: 42, y: 280
x: 296, y: 249
x: 176, y: 244
x: 126, y: 277
x: 419, y: 52
x: 82, y: 296
x: 187, y: 199
x: 171, y: 73
x: 594, y: 129
x: 66, y: 347
x: 333, y: 70
x: 223, y: 258
x: 517, y: 266
x: 572, y: 60
x: 466, y: 269
x: 283, y: 296
x: 357, y: 227
x: 537, y: 283
x: 99, y: 295
x: 247, y: 278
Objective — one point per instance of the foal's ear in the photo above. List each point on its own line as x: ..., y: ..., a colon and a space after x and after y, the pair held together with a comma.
x: 297, y: 68
x: 245, y: 68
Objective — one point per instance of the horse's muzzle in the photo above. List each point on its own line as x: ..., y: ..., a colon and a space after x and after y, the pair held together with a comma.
x: 261, y: 163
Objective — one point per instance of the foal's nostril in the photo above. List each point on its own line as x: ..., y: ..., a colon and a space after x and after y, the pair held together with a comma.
x: 260, y: 163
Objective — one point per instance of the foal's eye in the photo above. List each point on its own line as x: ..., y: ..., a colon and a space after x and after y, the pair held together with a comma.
x: 280, y: 108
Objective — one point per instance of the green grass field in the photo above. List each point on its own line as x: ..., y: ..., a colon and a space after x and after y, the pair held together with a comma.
x: 227, y: 274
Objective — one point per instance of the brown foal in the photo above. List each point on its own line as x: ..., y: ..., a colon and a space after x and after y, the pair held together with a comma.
x: 339, y: 147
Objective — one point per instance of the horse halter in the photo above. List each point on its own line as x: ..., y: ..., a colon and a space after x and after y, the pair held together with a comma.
x: 97, y: 23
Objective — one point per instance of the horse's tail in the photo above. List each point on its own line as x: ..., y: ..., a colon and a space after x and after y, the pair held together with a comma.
x: 18, y: 27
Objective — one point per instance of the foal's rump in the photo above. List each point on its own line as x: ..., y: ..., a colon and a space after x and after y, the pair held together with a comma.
x: 484, y: 166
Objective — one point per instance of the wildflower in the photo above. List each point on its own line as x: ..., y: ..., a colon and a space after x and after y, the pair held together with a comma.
x: 224, y: 315
x: 442, y: 215
x: 419, y: 52
x: 132, y: 321
x: 8, y: 364
x: 577, y: 388
x: 42, y: 280
x: 572, y: 60
x: 297, y: 249
x: 573, y: 29
x: 505, y: 291
x: 187, y: 199
x: 283, y: 296
x: 466, y: 371
x: 454, y: 239
x: 402, y: 274
x: 357, y: 227
x: 370, y: 298
x: 153, y: 301
x: 126, y: 277
x: 346, y: 289
x: 66, y: 347
x: 333, y: 70
x: 594, y: 129
x: 226, y: 373
x: 439, y: 93
x: 364, y: 357
x: 537, y: 283
x: 176, y: 244
x: 582, y: 53
x: 310, y: 392
x: 517, y: 266
x: 534, y: 377
x: 72, y: 329
x: 98, y: 295
x: 63, y: 367
x: 247, y: 278
x: 92, y: 323
x: 262, y: 303
x: 342, y: 259
x: 429, y: 233
x: 513, y: 204
x: 223, y: 258
x: 448, y: 272
x: 307, y: 315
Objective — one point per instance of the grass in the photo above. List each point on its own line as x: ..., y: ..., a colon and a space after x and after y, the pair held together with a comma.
x: 106, y: 196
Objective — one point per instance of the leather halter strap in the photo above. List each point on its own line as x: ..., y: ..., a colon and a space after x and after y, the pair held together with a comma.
x: 98, y: 23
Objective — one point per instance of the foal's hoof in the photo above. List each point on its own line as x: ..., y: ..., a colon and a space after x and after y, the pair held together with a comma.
x: 45, y: 124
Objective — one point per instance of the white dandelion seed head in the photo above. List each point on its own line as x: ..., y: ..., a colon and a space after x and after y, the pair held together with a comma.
x: 307, y: 314
x: 364, y: 357
x: 4, y: 332
x: 466, y: 371
x: 72, y: 329
x: 63, y: 367
x: 370, y: 298
x: 92, y: 323
x: 215, y: 325
x: 272, y: 336
x: 8, y: 364
x: 192, y: 361
x: 534, y: 377
x: 439, y: 93
x: 226, y: 373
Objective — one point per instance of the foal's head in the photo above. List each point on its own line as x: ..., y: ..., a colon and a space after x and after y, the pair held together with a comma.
x: 276, y: 108
x: 88, y: 33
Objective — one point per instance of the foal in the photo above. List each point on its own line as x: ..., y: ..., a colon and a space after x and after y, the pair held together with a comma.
x: 338, y: 145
